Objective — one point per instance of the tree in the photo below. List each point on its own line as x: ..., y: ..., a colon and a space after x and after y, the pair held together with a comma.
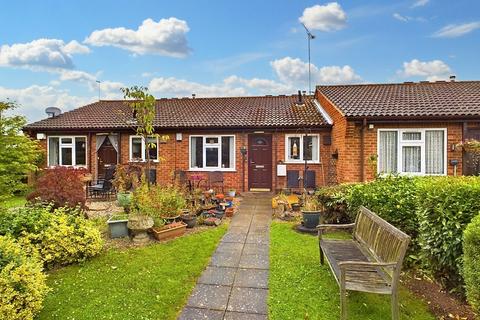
x: 19, y: 155
x: 143, y: 107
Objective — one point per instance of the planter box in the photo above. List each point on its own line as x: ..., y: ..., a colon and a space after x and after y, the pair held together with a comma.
x: 117, y: 226
x: 169, y: 233
x: 229, y: 212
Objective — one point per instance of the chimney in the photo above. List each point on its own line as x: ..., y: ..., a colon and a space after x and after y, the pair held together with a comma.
x: 300, y: 102
x: 452, y: 78
x: 193, y: 95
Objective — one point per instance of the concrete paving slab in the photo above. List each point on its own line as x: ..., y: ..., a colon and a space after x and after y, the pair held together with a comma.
x: 248, y: 300
x: 218, y: 276
x: 251, y: 278
x: 209, y: 297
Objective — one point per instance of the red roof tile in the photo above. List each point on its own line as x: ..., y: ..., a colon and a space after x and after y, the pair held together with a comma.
x: 260, y: 112
x: 416, y: 100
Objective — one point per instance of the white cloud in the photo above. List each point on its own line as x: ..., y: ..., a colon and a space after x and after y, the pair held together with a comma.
x: 399, y: 17
x: 420, y: 3
x: 431, y: 70
x: 329, y: 17
x: 41, y: 54
x: 456, y: 30
x: 165, y: 37
x: 34, y: 99
x: 74, y: 47
x: 295, y: 72
x: 173, y: 87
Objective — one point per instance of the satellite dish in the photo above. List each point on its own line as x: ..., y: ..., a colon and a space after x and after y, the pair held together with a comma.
x: 53, y: 112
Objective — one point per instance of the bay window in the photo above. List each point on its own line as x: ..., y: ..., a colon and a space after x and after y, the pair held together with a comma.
x: 211, y: 153
x: 138, y: 148
x: 67, y: 151
x: 412, y: 151
x: 302, y: 147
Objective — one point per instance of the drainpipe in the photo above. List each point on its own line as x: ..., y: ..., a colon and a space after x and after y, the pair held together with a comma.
x: 362, y: 150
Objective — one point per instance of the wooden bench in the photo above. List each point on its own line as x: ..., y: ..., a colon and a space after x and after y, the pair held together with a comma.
x: 370, y: 262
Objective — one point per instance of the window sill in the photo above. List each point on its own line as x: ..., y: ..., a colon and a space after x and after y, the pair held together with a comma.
x: 210, y: 170
x: 301, y: 162
x: 143, y: 161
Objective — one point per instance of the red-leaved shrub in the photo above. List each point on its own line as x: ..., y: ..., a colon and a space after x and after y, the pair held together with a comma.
x: 61, y: 186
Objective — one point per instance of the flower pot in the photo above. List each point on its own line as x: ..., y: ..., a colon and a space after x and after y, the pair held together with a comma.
x: 311, y: 219
x: 191, y: 221
x: 212, y: 222
x: 229, y: 212
x: 169, y: 232
x: 219, y: 214
x: 231, y: 193
x: 171, y: 219
x: 124, y: 199
x: 117, y: 226
x: 139, y: 224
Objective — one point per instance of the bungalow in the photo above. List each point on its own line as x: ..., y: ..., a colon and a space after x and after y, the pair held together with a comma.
x: 343, y: 133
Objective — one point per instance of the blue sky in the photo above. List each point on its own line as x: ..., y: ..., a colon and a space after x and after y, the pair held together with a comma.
x: 52, y: 52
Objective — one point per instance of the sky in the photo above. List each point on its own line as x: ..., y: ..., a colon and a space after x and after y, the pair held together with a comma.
x: 52, y: 53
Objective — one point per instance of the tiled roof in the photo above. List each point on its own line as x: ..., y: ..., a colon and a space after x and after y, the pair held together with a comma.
x: 259, y: 112
x: 405, y: 100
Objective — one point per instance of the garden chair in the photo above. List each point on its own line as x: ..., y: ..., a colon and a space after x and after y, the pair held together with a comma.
x: 103, y: 188
x: 215, y: 179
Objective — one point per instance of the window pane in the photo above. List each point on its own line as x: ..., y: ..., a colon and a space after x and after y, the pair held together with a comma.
x: 137, y: 148
x: 80, y: 151
x: 228, y: 152
x: 387, y: 157
x: 294, y: 148
x: 66, y: 140
x: 66, y: 156
x: 152, y: 151
x: 211, y: 140
x: 411, y: 159
x: 53, y: 152
x: 434, y: 152
x: 412, y: 136
x: 196, y: 152
x: 211, y: 157
x: 310, y: 148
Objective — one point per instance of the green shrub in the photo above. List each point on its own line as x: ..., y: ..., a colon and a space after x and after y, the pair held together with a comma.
x: 158, y: 201
x: 471, y: 262
x: 61, y: 237
x: 334, y: 200
x: 445, y: 206
x: 22, y: 283
x: 394, y: 199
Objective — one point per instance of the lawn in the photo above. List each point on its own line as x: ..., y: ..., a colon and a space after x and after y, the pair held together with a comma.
x: 16, y: 201
x: 302, y: 289
x: 153, y: 282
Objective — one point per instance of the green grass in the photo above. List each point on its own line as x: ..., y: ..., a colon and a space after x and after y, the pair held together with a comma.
x: 12, y: 202
x: 153, y: 282
x: 302, y: 289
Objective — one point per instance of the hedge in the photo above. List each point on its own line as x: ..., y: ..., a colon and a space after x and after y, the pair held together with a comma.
x: 445, y: 206
x: 22, y: 283
x: 471, y: 262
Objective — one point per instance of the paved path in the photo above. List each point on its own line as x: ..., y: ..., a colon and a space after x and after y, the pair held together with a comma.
x: 235, y: 284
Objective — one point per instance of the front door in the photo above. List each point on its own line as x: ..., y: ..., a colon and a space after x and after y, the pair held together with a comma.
x: 106, y: 156
x: 260, y: 162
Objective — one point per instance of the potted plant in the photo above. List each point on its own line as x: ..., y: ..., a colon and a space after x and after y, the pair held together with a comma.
x: 231, y: 193
x: 125, y: 180
x: 189, y: 216
x: 140, y: 219
x: 311, y: 211
x: 160, y: 202
x: 117, y: 226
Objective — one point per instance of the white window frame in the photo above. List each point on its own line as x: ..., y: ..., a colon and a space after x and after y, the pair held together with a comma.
x: 413, y: 143
x: 300, y: 160
x: 67, y: 145
x: 144, y: 158
x: 204, y: 156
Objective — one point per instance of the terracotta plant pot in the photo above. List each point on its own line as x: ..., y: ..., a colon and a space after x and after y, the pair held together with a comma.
x: 229, y: 212
x: 169, y: 231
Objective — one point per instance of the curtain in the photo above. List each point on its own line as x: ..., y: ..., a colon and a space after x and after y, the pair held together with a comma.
x: 387, y: 157
x: 411, y: 159
x: 100, y: 140
x: 314, y: 148
x: 113, y: 140
x: 53, y: 151
x: 434, y: 152
x: 412, y: 136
